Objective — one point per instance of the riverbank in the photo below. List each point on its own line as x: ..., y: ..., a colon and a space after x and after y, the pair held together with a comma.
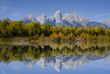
x: 44, y: 41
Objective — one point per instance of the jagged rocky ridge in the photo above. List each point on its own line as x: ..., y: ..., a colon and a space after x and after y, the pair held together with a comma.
x: 68, y: 62
x: 69, y: 19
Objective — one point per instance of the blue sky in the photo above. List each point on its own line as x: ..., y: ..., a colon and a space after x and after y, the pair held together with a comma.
x: 98, y: 10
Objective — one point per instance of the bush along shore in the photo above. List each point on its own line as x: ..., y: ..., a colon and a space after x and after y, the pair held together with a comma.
x: 45, y: 32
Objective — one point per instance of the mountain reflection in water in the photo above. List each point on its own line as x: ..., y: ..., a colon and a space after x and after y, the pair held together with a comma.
x: 68, y: 57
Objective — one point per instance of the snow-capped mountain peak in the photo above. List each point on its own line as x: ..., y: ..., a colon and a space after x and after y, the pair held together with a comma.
x: 29, y: 18
x: 69, y: 19
x: 42, y: 19
x: 58, y: 16
x: 73, y: 17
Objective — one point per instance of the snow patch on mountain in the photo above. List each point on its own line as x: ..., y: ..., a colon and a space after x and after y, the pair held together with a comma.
x: 69, y: 19
x: 107, y: 22
x: 29, y: 19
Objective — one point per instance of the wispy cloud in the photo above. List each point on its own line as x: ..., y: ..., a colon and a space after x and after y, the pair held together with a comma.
x: 5, y: 1
x: 16, y: 14
x: 3, y: 9
x: 101, y: 15
x: 4, y: 5
x: 8, y: 12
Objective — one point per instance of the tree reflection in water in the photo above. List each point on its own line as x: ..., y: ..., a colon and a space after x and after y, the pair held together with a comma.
x: 66, y: 56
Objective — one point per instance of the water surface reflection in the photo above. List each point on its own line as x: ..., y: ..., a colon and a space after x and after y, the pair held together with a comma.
x: 21, y: 59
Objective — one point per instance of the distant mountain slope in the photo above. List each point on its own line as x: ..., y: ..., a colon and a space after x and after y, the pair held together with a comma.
x: 69, y: 19
x: 107, y: 22
x: 29, y: 19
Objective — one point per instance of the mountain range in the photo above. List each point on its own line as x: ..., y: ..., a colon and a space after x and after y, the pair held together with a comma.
x: 69, y: 19
x: 67, y: 62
